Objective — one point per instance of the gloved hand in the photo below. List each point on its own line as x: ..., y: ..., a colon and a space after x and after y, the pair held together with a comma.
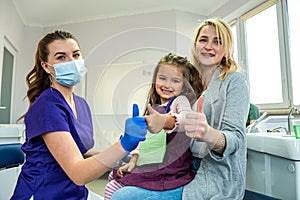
x: 135, y: 130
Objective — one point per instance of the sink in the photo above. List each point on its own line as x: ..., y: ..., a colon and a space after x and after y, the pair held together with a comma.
x: 278, y: 144
x: 271, y: 122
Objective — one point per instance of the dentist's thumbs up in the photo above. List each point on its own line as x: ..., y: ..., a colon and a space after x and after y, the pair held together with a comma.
x: 135, y: 110
x: 135, y: 130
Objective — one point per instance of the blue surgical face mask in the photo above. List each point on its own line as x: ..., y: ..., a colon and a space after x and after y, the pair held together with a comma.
x: 70, y: 73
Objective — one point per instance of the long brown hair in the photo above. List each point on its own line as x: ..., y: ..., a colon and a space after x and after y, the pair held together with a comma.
x: 192, y: 86
x: 37, y: 79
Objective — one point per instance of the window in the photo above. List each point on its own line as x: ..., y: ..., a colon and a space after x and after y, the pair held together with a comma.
x: 267, y: 51
x: 263, y: 57
x: 235, y: 51
x: 294, y: 32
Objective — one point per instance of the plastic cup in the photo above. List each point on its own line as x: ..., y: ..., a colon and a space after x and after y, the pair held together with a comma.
x: 296, y: 127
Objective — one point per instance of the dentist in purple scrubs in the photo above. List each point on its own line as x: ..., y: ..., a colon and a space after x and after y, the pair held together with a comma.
x: 59, y: 130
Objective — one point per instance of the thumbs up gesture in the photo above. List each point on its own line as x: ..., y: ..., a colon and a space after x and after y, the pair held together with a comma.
x: 195, y: 123
x: 155, y: 120
x: 135, y: 130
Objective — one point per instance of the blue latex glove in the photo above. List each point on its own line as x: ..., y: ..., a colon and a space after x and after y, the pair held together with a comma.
x: 135, y: 130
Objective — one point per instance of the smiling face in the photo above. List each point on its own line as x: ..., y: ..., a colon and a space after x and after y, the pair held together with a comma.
x: 209, y: 47
x: 169, y: 82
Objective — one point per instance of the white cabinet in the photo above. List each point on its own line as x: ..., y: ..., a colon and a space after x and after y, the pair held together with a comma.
x: 273, y: 176
x: 273, y: 165
x: 9, y: 133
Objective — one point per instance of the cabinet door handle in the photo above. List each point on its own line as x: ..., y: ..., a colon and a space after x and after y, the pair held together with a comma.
x: 2, y: 107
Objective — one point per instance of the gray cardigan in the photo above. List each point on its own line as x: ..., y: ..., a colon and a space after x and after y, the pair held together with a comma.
x: 226, y: 108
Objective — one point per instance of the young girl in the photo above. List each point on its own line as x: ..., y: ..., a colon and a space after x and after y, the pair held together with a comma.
x: 176, y: 84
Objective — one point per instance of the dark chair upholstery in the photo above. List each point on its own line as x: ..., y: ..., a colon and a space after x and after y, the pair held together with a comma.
x: 11, y: 155
x: 250, y: 195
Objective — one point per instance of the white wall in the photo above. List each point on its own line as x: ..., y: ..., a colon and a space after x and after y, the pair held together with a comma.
x: 94, y: 35
x: 126, y: 40
x: 142, y: 38
x: 132, y: 45
x: 13, y: 30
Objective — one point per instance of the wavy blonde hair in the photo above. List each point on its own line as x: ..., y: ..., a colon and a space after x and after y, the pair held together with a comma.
x: 223, y: 32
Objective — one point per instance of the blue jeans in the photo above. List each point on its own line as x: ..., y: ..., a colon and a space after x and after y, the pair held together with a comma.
x: 137, y: 193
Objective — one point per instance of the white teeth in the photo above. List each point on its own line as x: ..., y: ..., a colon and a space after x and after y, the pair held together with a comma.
x: 208, y: 54
x: 167, y: 90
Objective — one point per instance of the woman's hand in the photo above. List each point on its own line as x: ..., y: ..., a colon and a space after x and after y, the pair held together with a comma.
x: 135, y: 130
x: 196, y: 127
x: 195, y: 123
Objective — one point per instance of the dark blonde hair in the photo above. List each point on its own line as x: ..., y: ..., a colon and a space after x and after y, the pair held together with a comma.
x: 37, y: 79
x: 192, y: 85
x: 223, y: 32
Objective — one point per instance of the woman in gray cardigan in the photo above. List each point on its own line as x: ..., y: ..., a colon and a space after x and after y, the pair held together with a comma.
x: 217, y: 127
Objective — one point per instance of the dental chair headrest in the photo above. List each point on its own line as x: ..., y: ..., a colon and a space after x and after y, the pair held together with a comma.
x: 11, y: 155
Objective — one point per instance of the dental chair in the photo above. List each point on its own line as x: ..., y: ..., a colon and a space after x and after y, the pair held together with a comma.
x: 11, y: 157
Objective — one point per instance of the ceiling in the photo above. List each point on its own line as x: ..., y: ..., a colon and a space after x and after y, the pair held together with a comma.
x: 44, y: 13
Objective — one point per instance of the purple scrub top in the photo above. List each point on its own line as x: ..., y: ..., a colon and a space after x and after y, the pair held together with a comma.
x: 41, y: 175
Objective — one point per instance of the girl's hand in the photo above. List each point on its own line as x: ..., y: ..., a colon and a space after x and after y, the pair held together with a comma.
x: 155, y: 120
x: 125, y: 168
